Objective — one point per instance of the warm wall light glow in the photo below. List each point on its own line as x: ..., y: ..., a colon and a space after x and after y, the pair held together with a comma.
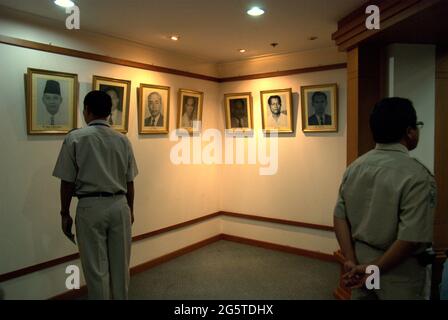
x: 64, y: 3
x: 255, y: 11
x: 242, y: 50
x: 174, y: 38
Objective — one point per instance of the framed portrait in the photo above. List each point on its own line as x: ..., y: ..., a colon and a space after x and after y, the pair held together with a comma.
x: 320, y: 108
x: 153, y: 109
x: 239, y: 111
x: 190, y: 110
x: 52, y: 100
x: 276, y: 110
x: 119, y: 91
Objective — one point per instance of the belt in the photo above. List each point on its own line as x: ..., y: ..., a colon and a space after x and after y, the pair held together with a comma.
x: 98, y: 195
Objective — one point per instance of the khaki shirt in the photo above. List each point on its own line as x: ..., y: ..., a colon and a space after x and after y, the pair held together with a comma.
x: 386, y: 196
x: 96, y: 159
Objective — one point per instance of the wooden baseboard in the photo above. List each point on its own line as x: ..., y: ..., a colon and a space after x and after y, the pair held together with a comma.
x: 277, y: 221
x: 150, y: 264
x: 74, y: 294
x: 279, y: 247
x: 51, y: 263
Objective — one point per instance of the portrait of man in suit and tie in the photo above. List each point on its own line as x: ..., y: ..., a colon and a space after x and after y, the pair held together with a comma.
x: 319, y: 104
x: 155, y: 106
x: 319, y: 108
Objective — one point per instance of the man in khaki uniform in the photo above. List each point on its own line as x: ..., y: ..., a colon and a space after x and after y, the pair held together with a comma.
x: 97, y: 165
x: 384, y: 213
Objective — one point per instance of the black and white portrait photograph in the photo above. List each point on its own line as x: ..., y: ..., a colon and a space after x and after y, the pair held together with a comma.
x: 190, y: 109
x: 154, y: 105
x: 52, y: 99
x: 119, y: 92
x: 238, y: 111
x: 276, y: 110
x: 319, y: 108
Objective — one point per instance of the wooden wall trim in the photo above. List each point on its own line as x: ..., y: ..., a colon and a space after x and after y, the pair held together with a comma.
x: 352, y: 30
x: 150, y: 264
x: 278, y: 221
x: 279, y: 247
x: 285, y: 72
x: 441, y: 149
x: 364, y: 89
x: 51, y: 263
x: 99, y: 57
x: 73, y: 294
x: 37, y: 267
x: 440, y: 167
x: 129, y: 63
x: 174, y: 227
x: 352, y: 105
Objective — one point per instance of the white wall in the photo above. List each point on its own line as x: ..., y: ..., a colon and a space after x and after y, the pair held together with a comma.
x: 412, y: 70
x: 310, y: 166
x: 165, y: 194
x: 304, y: 189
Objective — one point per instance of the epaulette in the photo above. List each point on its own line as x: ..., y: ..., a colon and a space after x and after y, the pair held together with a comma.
x: 73, y: 130
x: 424, y: 166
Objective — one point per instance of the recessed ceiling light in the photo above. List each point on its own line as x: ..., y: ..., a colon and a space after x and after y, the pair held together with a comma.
x: 174, y: 38
x: 64, y: 3
x: 255, y: 12
x: 242, y: 50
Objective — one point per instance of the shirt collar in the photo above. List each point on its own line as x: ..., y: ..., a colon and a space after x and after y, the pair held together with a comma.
x: 392, y: 147
x: 101, y: 122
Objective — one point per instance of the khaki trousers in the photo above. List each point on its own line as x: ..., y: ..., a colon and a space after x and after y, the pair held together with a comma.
x: 404, y: 282
x: 103, y: 229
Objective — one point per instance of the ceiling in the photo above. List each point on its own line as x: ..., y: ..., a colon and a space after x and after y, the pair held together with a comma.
x: 212, y: 30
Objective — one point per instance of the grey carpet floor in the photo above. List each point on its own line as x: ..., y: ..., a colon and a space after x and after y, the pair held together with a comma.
x: 228, y: 270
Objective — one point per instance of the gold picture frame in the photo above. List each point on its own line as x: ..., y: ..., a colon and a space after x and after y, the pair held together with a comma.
x: 120, y: 92
x: 277, y: 110
x: 190, y: 110
x: 320, y: 108
x: 153, y: 109
x: 51, y: 101
x: 239, y: 112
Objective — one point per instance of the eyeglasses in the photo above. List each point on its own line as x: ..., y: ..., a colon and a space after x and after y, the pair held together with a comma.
x: 419, y: 124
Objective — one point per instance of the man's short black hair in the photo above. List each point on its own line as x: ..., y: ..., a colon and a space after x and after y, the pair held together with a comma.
x: 275, y: 97
x: 99, y: 103
x: 318, y: 93
x: 390, y: 119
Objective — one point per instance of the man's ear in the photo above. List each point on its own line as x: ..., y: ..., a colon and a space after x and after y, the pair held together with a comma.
x: 411, y: 132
